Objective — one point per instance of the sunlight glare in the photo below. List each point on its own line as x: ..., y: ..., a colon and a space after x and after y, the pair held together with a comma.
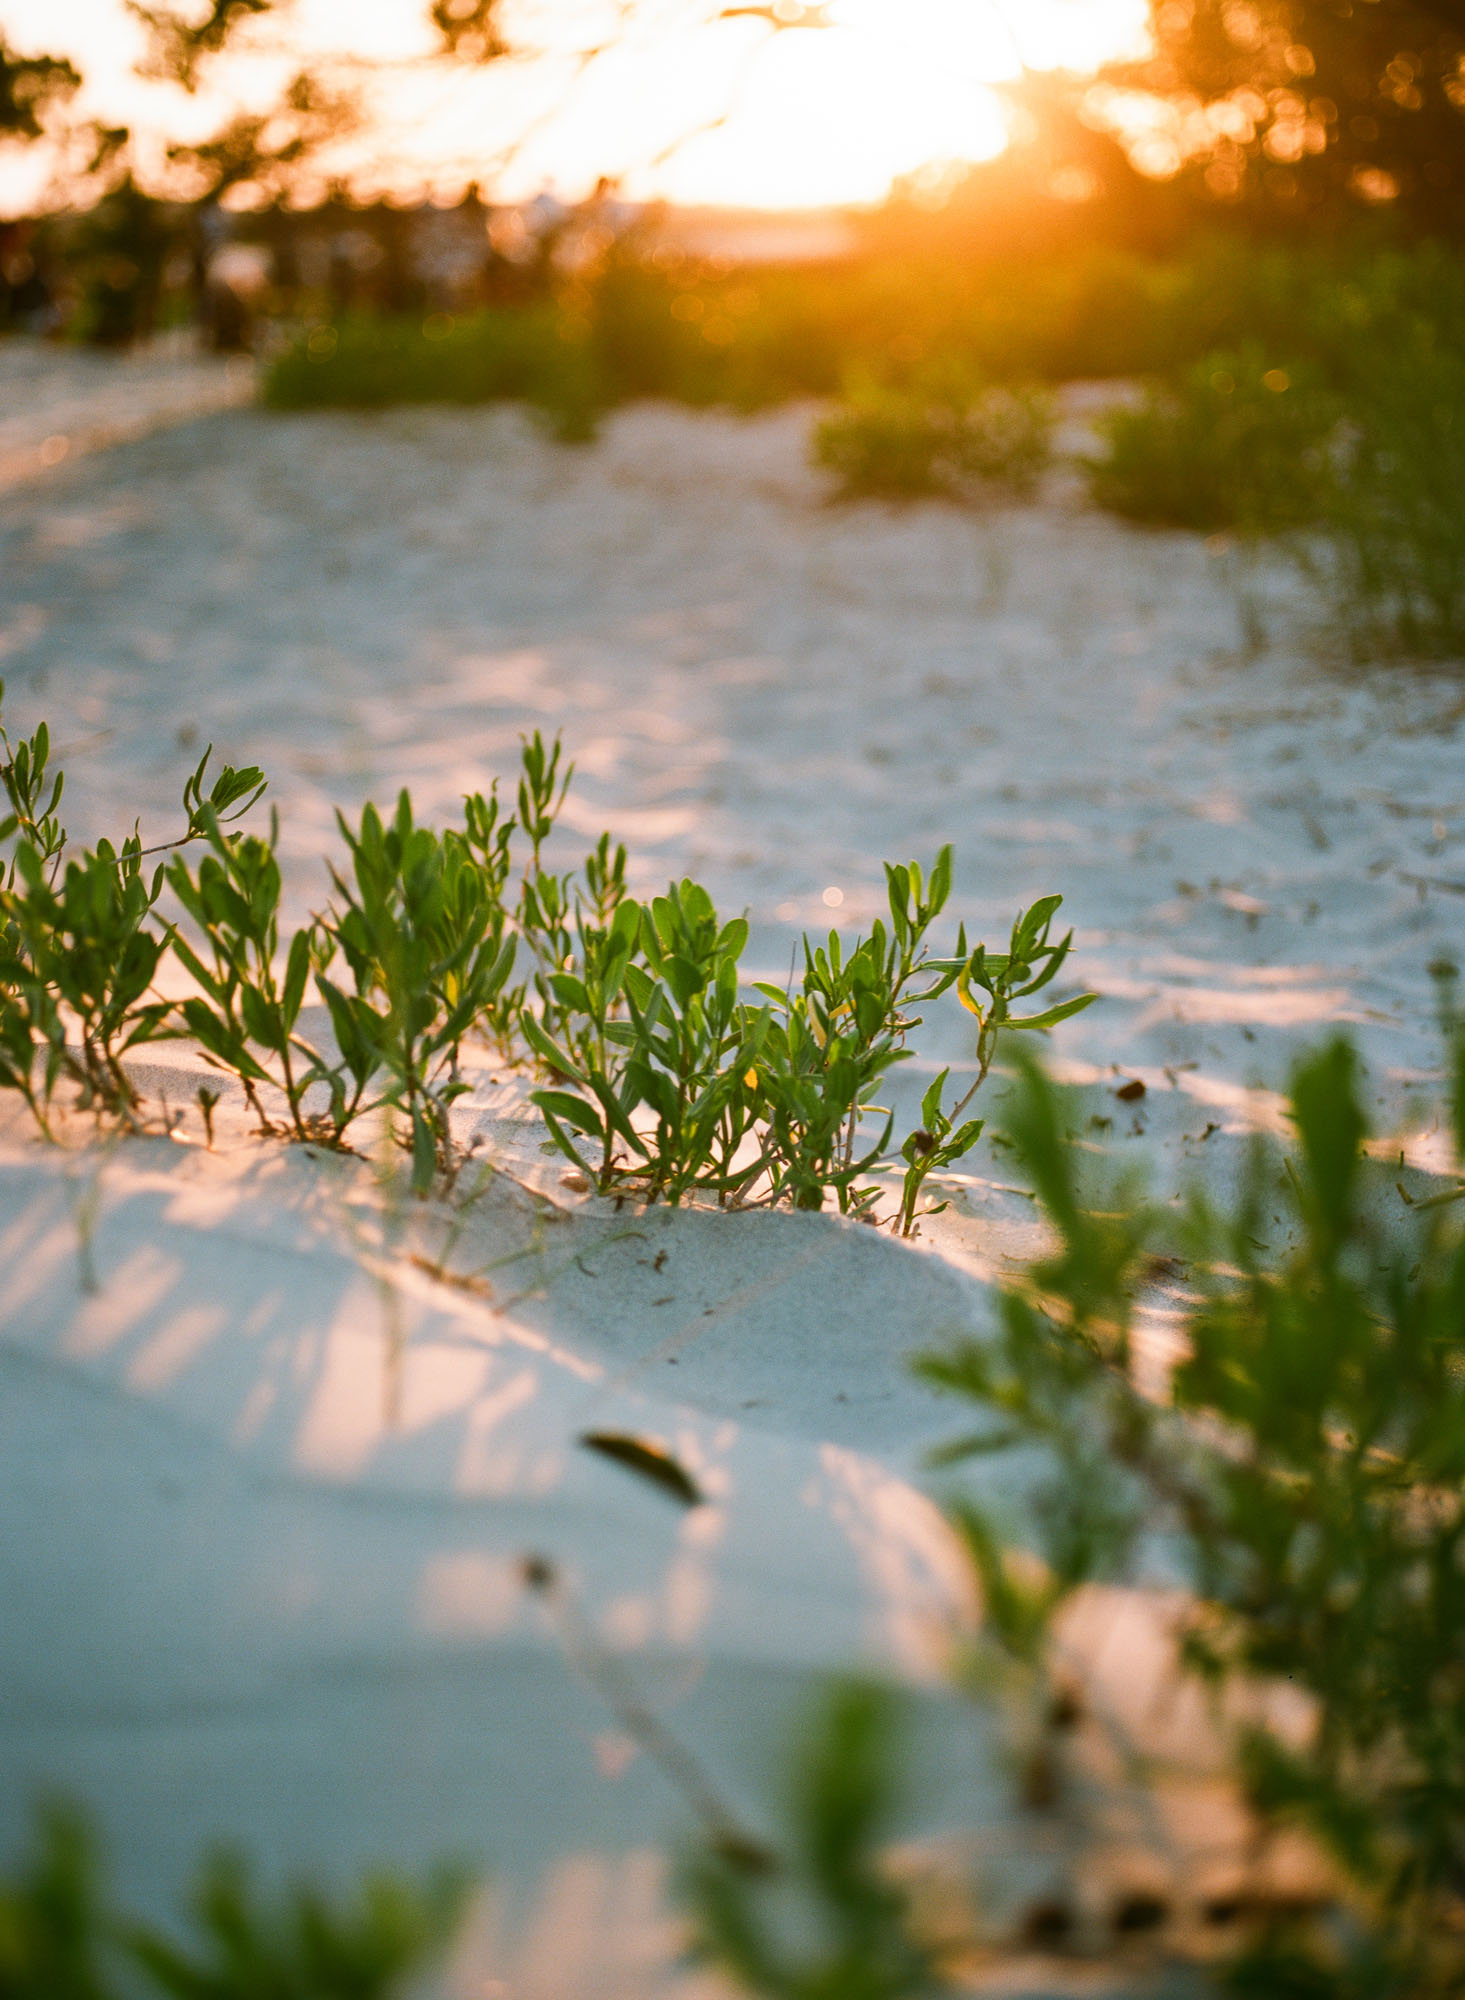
x: 685, y: 104
x: 835, y: 114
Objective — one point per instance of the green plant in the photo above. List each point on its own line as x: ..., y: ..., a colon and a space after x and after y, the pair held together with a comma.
x: 938, y: 1142
x: 831, y: 1042
x: 84, y: 942
x: 528, y: 354
x: 305, y: 1947
x: 53, y: 1935
x: 489, y: 835
x: 1394, y: 523
x: 545, y: 912
x: 821, y: 1919
x: 681, y: 1085
x: 246, y: 1013
x: 1233, y: 441
x: 428, y: 952
x: 1310, y: 1453
x: 939, y: 434
x: 60, y: 1939
x: 684, y: 1087
x: 681, y: 1050
x: 24, y: 774
x: 75, y: 949
x: 1031, y: 962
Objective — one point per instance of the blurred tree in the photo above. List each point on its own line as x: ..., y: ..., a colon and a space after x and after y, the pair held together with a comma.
x: 29, y: 86
x: 1305, y: 107
x: 178, y: 47
x: 264, y: 150
x: 117, y: 253
x: 468, y: 29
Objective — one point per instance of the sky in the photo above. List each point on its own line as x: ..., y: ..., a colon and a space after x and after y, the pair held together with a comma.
x: 691, y: 101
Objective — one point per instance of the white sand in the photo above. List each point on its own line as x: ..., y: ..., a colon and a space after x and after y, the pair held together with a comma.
x: 269, y: 1484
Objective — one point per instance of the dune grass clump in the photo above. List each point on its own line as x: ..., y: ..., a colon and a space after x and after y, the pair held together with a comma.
x: 663, y: 1079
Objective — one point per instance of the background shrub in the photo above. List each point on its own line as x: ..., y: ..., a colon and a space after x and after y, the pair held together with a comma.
x: 936, y: 436
x: 1235, y: 441
x: 1394, y: 523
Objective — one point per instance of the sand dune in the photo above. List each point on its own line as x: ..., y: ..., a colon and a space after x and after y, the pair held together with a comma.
x: 271, y: 1483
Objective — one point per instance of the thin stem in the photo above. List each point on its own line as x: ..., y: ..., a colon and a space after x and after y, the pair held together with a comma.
x: 986, y: 1049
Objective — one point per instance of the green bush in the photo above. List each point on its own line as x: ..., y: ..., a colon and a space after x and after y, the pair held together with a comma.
x: 683, y: 1087
x: 1235, y: 442
x: 530, y: 354
x: 634, y: 1013
x: 246, y: 1012
x: 1308, y: 1454
x: 936, y: 437
x: 60, y: 1940
x: 76, y: 949
x: 429, y: 954
x: 1343, y: 429
x: 1394, y: 526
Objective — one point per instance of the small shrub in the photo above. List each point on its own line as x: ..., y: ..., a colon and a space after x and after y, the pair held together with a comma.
x: 84, y: 939
x: 428, y: 954
x: 653, y: 1023
x: 60, y: 1939
x: 692, y: 1089
x: 529, y: 354
x: 936, y: 436
x: 1394, y: 527
x: 76, y: 952
x: 1233, y: 442
x: 245, y: 1016
x: 1309, y: 1454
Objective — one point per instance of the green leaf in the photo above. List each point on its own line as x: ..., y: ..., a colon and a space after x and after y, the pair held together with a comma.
x: 1053, y: 1015
x: 547, y: 1049
x: 297, y: 972
x: 424, y: 1152
x: 574, y: 1111
x: 651, y: 1462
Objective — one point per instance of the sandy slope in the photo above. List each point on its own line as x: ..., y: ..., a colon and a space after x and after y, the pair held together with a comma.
x: 270, y: 1482
x: 57, y: 404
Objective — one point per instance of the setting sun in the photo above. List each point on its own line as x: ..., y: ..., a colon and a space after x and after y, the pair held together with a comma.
x: 704, y: 101
x: 769, y: 107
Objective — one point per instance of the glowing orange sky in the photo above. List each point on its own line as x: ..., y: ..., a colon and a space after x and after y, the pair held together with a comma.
x: 682, y: 105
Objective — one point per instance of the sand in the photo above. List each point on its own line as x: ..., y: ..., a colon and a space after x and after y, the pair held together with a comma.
x: 270, y: 1481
